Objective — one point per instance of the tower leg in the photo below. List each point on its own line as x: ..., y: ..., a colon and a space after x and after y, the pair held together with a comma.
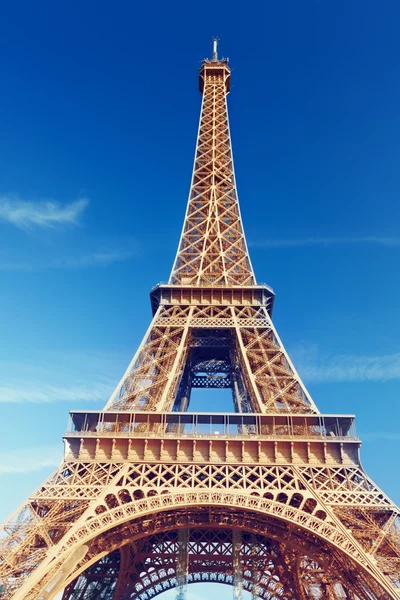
x: 237, y: 565
x: 182, y: 565
x: 256, y: 568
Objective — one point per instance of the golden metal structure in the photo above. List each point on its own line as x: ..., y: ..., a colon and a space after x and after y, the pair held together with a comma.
x: 271, y: 499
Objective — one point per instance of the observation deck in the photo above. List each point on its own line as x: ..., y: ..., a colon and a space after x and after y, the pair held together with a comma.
x: 209, y: 437
x: 217, y: 68
x: 187, y: 295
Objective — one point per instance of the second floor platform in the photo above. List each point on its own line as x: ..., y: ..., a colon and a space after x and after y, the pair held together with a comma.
x: 217, y: 438
x: 216, y: 425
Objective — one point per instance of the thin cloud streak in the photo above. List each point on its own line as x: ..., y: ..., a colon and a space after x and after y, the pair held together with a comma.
x: 73, y: 377
x: 388, y: 242
x: 98, y: 258
x: 42, y: 393
x: 30, y: 459
x: 314, y: 367
x: 354, y: 368
x: 43, y: 213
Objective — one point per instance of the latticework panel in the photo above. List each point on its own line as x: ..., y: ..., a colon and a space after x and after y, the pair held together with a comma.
x: 151, y: 380
x: 378, y: 533
x: 276, y: 384
x: 212, y: 249
x: 335, y: 486
x: 82, y: 500
x: 29, y: 536
x: 270, y: 568
x: 99, y: 581
x: 154, y: 376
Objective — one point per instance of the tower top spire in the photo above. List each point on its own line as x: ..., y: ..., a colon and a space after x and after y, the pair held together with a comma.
x: 215, y: 49
x: 215, y: 66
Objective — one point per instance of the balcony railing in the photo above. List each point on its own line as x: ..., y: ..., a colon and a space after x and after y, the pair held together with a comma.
x: 211, y: 284
x: 174, y: 424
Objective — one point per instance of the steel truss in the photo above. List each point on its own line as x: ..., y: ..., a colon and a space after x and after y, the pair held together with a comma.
x: 249, y: 561
x: 281, y: 507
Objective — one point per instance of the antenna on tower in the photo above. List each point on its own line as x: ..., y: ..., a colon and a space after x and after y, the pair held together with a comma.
x: 215, y: 49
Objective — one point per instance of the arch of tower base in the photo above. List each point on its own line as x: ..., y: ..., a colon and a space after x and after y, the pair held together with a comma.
x: 270, y: 548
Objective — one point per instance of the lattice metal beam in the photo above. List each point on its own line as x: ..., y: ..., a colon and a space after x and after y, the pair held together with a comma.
x: 182, y: 564
x: 237, y: 564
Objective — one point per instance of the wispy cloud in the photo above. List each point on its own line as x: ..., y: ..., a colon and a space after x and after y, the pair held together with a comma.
x: 97, y: 258
x: 43, y: 213
x: 316, y: 368
x: 388, y: 242
x: 39, y: 392
x: 356, y: 368
x: 31, y: 459
x: 72, y: 377
x: 101, y: 258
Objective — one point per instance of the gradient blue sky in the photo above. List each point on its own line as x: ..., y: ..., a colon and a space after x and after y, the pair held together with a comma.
x: 99, y: 111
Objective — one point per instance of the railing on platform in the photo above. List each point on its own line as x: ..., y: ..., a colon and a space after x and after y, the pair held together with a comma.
x: 174, y: 424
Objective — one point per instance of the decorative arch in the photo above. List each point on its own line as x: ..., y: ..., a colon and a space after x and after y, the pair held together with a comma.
x: 107, y: 526
x: 310, y: 559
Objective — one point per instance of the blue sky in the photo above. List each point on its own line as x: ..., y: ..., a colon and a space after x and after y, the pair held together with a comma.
x: 99, y: 111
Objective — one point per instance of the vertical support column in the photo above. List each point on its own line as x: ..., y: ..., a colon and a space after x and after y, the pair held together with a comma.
x: 257, y: 401
x: 239, y: 392
x: 237, y: 396
x: 182, y: 564
x: 237, y: 564
x: 126, y: 560
x: 131, y: 366
x: 185, y: 387
x: 257, y: 567
x: 166, y: 403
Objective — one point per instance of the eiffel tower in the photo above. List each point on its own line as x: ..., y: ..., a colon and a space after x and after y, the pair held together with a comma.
x: 270, y: 499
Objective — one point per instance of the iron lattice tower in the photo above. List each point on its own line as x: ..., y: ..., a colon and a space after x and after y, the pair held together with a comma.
x: 271, y: 498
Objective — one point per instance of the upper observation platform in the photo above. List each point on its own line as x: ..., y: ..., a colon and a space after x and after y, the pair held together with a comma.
x: 215, y: 68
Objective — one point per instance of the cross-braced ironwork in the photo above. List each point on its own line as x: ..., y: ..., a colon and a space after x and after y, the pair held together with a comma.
x: 271, y: 499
